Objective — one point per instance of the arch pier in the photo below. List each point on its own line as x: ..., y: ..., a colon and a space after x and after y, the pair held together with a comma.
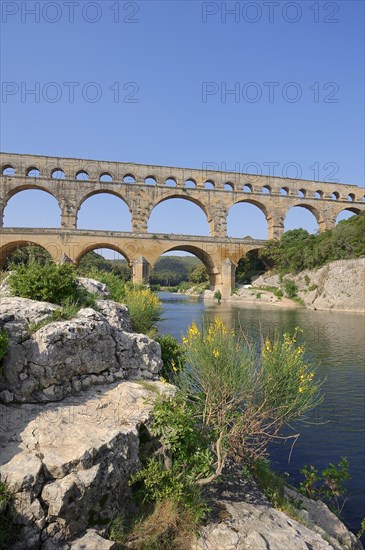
x: 141, y: 188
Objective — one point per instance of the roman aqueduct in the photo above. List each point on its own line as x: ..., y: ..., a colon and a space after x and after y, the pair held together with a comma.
x: 142, y: 187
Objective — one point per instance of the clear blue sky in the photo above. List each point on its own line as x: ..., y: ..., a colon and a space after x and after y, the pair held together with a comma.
x: 163, y: 54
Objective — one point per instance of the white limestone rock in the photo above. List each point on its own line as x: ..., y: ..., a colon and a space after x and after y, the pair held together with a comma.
x: 63, y: 357
x: 68, y: 463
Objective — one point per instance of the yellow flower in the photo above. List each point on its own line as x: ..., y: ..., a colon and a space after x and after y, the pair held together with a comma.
x: 216, y: 353
x: 301, y: 390
x: 162, y: 379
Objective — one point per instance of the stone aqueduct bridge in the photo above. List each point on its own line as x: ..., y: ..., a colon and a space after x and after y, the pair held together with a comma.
x: 142, y: 187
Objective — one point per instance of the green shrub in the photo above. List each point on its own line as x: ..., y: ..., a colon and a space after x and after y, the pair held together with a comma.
x: 172, y: 354
x: 4, y: 342
x: 116, y: 284
x: 47, y: 283
x: 145, y: 309
x: 307, y: 280
x: 290, y: 288
x: 327, y: 486
x: 9, y: 530
x: 218, y: 295
x: 246, y: 400
x: 313, y: 287
x: 184, y: 457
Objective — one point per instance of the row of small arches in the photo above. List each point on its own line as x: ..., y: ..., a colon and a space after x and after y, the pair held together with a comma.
x: 106, y: 177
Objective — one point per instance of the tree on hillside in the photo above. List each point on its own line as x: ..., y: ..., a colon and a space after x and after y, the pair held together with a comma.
x: 198, y: 275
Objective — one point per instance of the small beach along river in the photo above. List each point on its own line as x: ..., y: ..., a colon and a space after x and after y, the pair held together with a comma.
x: 334, y: 341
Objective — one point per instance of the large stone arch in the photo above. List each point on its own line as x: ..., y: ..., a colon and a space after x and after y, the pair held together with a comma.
x: 102, y: 191
x: 98, y: 245
x: 28, y: 187
x: 200, y: 253
x: 25, y: 187
x: 189, y: 198
x: 9, y: 248
x: 322, y: 221
x: 258, y: 204
x: 349, y: 208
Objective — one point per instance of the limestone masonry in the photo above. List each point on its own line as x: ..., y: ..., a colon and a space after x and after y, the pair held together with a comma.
x: 213, y: 191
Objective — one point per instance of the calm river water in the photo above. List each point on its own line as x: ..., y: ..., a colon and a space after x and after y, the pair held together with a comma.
x: 335, y: 342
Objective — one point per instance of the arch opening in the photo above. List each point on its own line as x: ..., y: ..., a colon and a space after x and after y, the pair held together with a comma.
x: 33, y: 172
x: 318, y: 195
x: 179, y: 215
x: 209, y: 184
x: 266, y: 190
x: 335, y: 196
x: 104, y: 211
x: 150, y: 180
x: 179, y: 269
x: 351, y: 197
x: 23, y: 253
x: 284, y: 191
x: 171, y: 182
x: 247, y: 219
x: 190, y: 183
x: 32, y: 207
x: 129, y: 178
x: 106, y: 177
x: 8, y: 170
x: 82, y: 175
x: 249, y: 267
x: 302, y: 217
x: 347, y: 213
x: 104, y: 258
x: 247, y: 188
x: 58, y: 174
x: 302, y: 193
x: 185, y: 265
x: 228, y: 186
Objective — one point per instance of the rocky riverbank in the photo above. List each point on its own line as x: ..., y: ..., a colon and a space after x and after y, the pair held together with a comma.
x: 76, y: 399
x: 337, y: 286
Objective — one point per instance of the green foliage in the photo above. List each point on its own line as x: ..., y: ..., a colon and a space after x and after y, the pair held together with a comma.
x: 93, y: 261
x: 9, y: 530
x: 298, y: 250
x: 172, y: 354
x: 307, y: 280
x: 229, y: 402
x: 246, y: 399
x: 184, y: 457
x: 269, y: 482
x: 144, y: 308
x: 27, y: 255
x: 290, y: 288
x: 248, y: 267
x: 172, y: 270
x: 49, y: 283
x: 117, y: 286
x: 361, y: 531
x: 218, y: 295
x: 275, y: 290
x: 258, y: 295
x: 327, y: 486
x: 4, y: 342
x: 198, y: 275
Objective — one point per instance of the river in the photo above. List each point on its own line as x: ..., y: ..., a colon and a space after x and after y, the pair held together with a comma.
x: 335, y: 342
